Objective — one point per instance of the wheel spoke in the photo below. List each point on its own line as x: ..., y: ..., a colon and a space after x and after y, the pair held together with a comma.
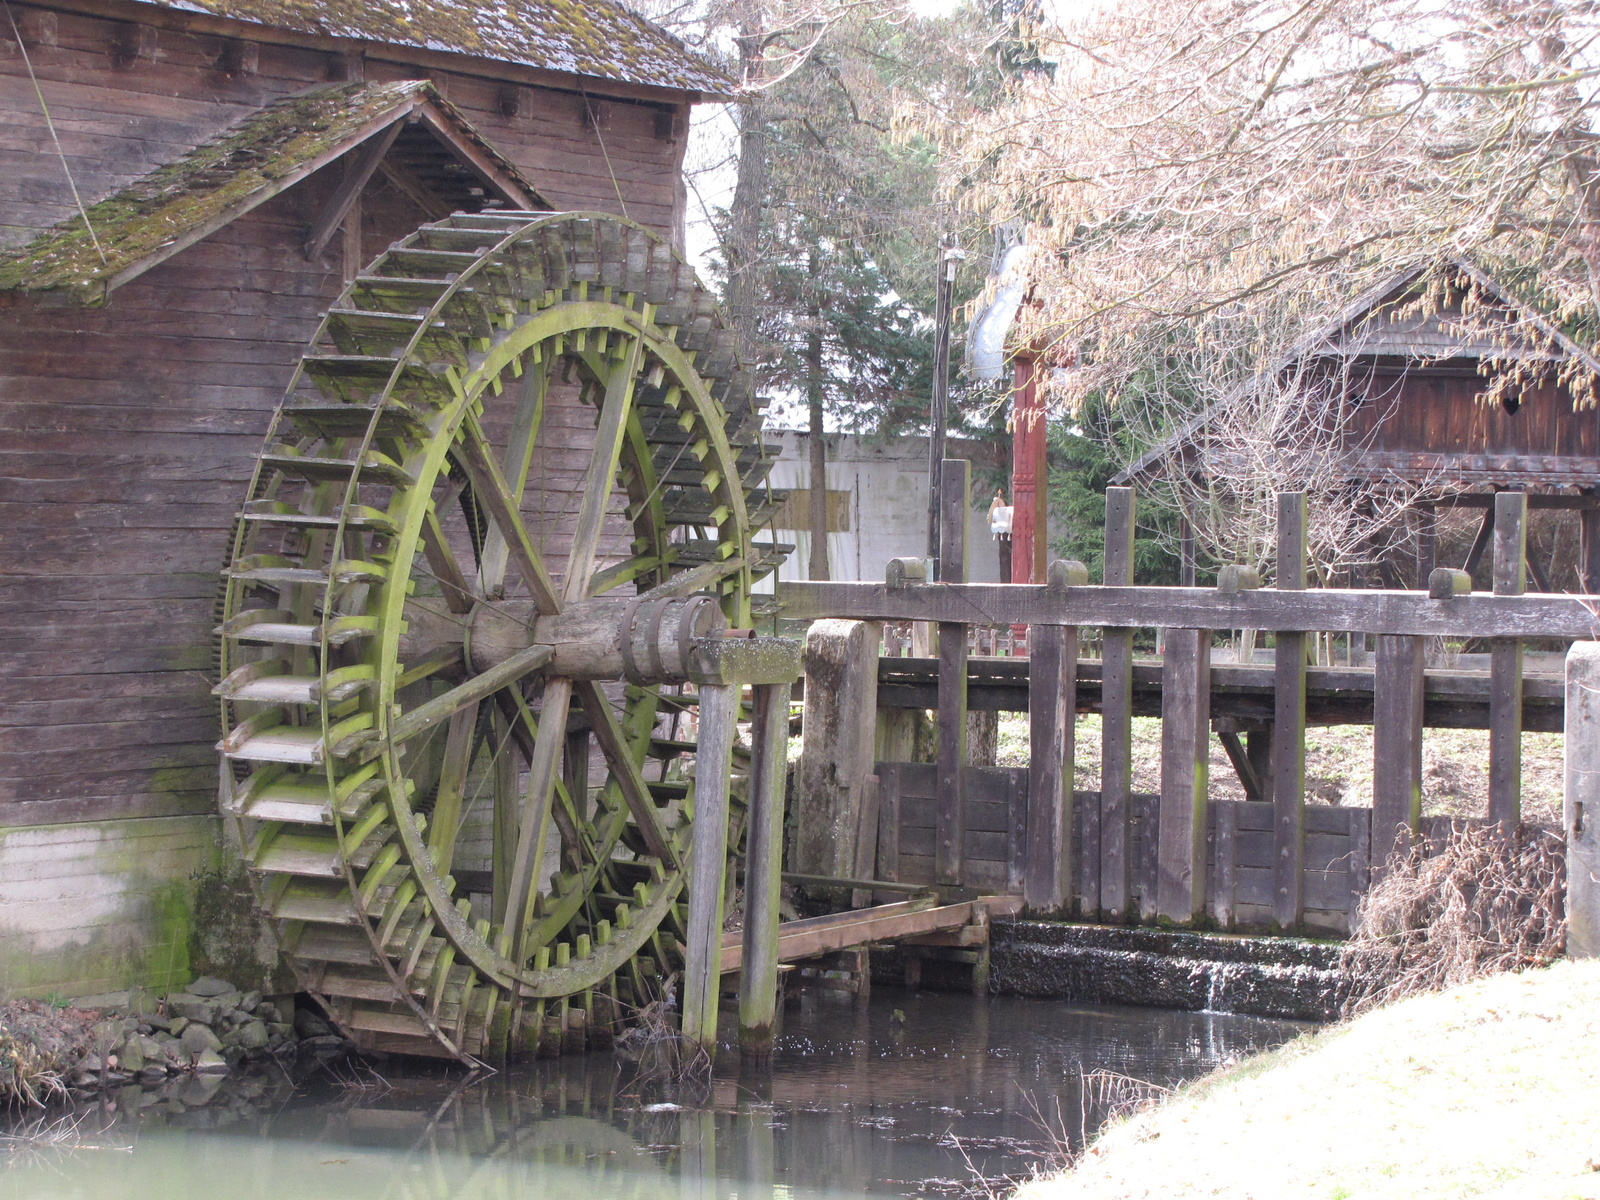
x: 518, y: 459
x: 442, y: 562
x: 446, y: 822
x: 600, y: 477
x: 429, y: 714
x: 535, y: 816
x: 635, y: 792
x: 490, y: 489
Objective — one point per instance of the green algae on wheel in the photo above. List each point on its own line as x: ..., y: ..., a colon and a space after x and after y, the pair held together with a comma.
x: 413, y: 671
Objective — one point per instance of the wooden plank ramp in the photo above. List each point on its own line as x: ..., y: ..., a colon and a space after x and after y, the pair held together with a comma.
x: 812, y: 937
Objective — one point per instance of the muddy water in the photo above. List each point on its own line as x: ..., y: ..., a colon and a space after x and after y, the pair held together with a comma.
x: 918, y: 1094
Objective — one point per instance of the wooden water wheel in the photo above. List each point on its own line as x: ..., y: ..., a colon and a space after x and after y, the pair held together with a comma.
x: 414, y: 672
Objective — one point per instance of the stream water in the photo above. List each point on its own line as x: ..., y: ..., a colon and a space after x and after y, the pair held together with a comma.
x: 916, y: 1094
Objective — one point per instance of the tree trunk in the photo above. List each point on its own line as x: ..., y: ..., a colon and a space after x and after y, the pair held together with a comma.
x: 749, y: 193
x: 818, y: 564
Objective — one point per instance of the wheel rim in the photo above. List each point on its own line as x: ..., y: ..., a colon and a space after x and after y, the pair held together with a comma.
x: 384, y: 526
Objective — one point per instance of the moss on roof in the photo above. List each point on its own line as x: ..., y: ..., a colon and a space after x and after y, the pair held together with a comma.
x: 599, y: 38
x: 219, y: 175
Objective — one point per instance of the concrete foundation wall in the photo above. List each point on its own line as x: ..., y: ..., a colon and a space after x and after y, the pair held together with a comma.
x: 101, y: 906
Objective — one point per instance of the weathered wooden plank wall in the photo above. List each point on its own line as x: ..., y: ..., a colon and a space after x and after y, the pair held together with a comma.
x: 1237, y: 846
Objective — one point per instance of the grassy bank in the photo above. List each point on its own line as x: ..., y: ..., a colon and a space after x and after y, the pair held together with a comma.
x: 1489, y: 1089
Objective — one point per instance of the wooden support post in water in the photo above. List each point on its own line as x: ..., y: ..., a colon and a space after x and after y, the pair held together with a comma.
x: 763, y: 872
x: 702, y: 973
x: 955, y: 477
x: 1185, y: 745
x: 1052, y: 701
x: 1397, y: 701
x: 1580, y: 812
x: 1116, y: 720
x: 1289, y: 726
x: 1505, y: 664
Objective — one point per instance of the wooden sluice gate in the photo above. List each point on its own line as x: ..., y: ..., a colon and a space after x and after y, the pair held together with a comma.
x: 1271, y: 862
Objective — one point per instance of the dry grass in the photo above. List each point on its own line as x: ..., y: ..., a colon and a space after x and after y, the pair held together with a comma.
x: 1481, y: 904
x: 39, y: 1046
x: 1455, y: 766
x: 1487, y: 1089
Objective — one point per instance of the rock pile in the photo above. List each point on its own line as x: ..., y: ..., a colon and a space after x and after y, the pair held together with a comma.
x: 208, y: 1028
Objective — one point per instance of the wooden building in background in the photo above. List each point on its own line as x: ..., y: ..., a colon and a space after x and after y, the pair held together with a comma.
x: 1424, y: 412
x: 237, y: 162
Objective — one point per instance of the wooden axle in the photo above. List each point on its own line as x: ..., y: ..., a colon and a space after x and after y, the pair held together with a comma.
x: 633, y: 638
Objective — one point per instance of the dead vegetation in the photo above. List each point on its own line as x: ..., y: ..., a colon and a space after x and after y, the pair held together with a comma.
x: 661, y: 1056
x: 39, y: 1046
x: 43, y: 1139
x: 1480, y: 903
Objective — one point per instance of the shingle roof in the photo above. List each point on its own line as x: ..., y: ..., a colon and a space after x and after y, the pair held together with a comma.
x: 179, y: 202
x: 599, y: 38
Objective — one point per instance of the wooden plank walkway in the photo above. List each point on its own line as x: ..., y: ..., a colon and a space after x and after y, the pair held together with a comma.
x: 813, y: 937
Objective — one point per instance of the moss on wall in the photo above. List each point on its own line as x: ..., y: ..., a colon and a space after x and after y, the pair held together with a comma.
x: 102, y: 906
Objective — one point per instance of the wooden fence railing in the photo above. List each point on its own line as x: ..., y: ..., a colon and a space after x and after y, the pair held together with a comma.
x: 1179, y: 855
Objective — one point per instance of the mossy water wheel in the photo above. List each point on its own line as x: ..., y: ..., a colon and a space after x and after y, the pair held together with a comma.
x: 415, y: 673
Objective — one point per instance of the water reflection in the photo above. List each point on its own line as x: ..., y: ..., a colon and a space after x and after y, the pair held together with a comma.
x: 917, y: 1094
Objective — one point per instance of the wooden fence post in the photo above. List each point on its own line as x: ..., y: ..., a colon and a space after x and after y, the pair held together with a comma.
x: 1116, y: 715
x: 838, y: 747
x: 1505, y: 664
x: 702, y: 973
x: 1052, y: 701
x: 1580, y: 816
x: 763, y: 871
x: 1289, y: 726
x: 955, y: 482
x: 1185, y: 774
x: 1397, y: 705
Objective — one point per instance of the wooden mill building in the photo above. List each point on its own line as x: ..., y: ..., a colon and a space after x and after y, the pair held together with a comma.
x: 1423, y: 411
x: 184, y: 188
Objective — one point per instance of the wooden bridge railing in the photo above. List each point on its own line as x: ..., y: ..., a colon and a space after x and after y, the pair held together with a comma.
x: 1063, y: 849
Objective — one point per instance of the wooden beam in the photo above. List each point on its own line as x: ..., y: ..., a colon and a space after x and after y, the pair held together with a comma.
x: 349, y: 190
x: 1580, y: 810
x: 1289, y: 724
x: 1589, y: 549
x: 955, y: 505
x: 1185, y: 742
x: 1505, y: 664
x: 1480, y: 542
x: 415, y: 191
x: 811, y: 937
x: 1242, y: 766
x: 1116, y: 721
x: 1052, y: 708
x: 482, y: 164
x: 837, y: 749
x: 1316, y: 610
x: 763, y: 873
x: 1397, y: 708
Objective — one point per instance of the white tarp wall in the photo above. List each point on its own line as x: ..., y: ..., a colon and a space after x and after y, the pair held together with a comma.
x: 884, y: 505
